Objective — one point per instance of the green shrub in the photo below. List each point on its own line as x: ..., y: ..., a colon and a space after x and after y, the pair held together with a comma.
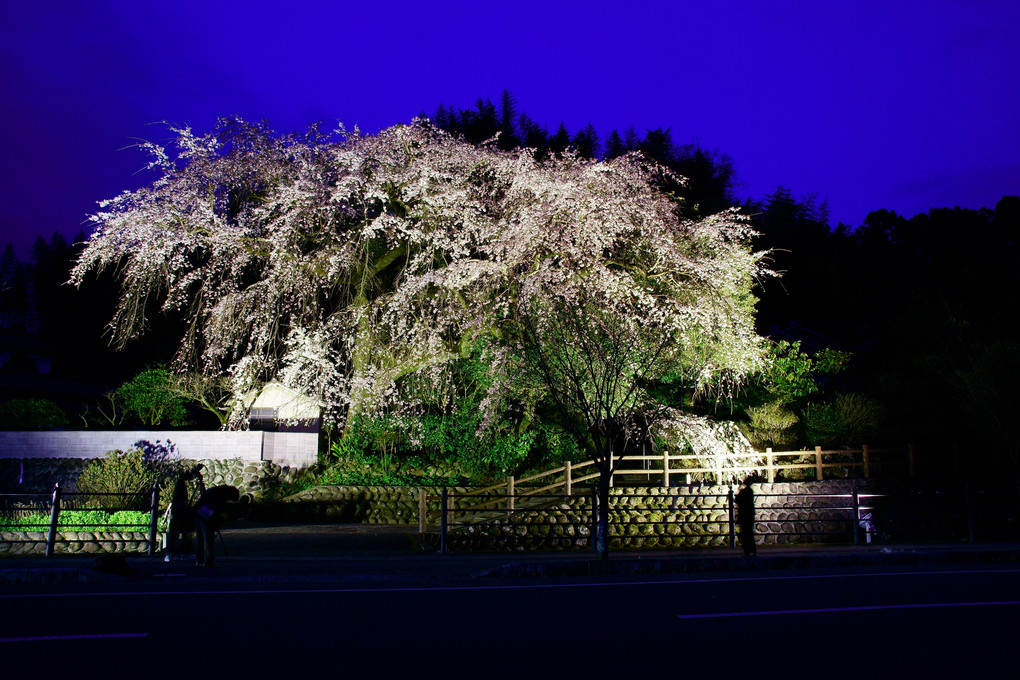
x: 771, y: 424
x: 150, y: 396
x: 82, y: 520
x: 847, y: 421
x: 351, y: 465
x: 129, y: 472
x: 822, y: 424
x: 31, y: 414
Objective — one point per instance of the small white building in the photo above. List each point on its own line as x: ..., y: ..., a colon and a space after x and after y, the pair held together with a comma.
x: 279, y: 408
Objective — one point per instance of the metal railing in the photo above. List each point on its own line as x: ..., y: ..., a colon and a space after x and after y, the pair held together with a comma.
x: 24, y: 505
x: 853, y: 517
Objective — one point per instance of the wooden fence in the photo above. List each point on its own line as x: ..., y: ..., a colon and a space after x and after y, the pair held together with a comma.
x: 862, y: 462
x: 665, y: 469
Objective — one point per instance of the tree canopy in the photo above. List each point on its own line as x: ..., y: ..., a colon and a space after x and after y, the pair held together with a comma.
x: 360, y: 269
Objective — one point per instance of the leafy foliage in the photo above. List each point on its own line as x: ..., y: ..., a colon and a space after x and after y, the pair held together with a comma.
x: 353, y: 465
x: 151, y: 396
x: 31, y: 414
x: 845, y: 422
x: 132, y: 472
x: 771, y: 424
x: 83, y: 520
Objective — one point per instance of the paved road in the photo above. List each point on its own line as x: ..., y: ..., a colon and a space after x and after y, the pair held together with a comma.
x: 936, y: 621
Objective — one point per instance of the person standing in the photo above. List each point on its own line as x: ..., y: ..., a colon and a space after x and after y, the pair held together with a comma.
x: 745, y: 519
x: 180, y: 519
x: 208, y: 517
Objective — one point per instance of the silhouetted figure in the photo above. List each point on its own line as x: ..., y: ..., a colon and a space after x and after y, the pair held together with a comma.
x: 745, y: 519
x: 181, y: 520
x: 208, y: 517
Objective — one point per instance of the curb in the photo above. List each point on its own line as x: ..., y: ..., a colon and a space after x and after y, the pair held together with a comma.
x: 373, y: 568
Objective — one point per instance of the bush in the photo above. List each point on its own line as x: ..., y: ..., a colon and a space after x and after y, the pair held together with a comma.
x: 771, y: 424
x: 355, y: 466
x: 150, y: 396
x: 129, y: 472
x: 82, y: 520
x: 848, y: 421
x: 31, y: 414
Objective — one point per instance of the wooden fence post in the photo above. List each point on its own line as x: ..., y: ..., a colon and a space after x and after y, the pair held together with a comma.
x: 818, y: 463
x: 569, y: 481
x: 510, y: 496
x: 867, y: 461
x: 770, y: 464
x: 665, y: 467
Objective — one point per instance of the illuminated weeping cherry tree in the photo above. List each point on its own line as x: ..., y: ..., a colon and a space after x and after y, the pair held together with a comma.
x: 631, y: 296
x: 360, y: 269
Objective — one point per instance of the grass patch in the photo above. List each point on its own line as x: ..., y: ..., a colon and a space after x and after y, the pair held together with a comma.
x: 82, y: 520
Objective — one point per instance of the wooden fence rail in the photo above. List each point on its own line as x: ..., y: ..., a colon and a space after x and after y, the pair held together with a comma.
x: 665, y: 467
x: 865, y: 459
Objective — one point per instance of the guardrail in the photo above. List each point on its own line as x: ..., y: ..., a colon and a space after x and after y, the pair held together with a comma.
x: 53, y: 504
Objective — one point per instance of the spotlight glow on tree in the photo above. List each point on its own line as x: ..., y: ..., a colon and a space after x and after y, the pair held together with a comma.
x: 342, y: 266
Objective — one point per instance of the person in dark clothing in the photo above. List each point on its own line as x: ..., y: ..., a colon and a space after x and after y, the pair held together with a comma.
x: 208, y: 517
x: 180, y: 519
x: 745, y: 519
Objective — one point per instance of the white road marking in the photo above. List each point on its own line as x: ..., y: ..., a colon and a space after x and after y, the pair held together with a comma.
x: 83, y: 636
x: 833, y: 610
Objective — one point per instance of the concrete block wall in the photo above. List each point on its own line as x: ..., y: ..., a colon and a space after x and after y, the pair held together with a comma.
x: 296, y: 449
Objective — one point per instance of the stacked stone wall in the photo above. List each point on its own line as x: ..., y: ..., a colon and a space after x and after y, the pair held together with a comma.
x: 76, y: 542
x: 673, y: 517
x: 351, y: 505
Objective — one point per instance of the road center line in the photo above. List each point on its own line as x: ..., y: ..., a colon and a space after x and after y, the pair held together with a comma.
x: 833, y: 610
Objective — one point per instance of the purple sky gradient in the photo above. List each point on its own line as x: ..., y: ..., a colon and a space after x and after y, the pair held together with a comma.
x: 902, y: 105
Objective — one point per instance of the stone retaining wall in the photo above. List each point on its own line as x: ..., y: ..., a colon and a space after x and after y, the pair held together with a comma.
x: 640, y: 517
x: 350, y: 505
x: 675, y: 517
x: 76, y: 542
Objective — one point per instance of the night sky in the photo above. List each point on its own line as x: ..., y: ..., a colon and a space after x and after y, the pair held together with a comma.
x: 900, y: 105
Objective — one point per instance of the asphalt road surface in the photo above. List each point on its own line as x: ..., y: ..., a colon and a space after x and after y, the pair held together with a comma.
x: 931, y: 622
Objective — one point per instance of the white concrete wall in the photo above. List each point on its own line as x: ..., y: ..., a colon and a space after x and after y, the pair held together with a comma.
x: 282, y: 448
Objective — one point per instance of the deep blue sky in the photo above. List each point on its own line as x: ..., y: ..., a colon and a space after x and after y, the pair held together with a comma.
x: 899, y: 104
